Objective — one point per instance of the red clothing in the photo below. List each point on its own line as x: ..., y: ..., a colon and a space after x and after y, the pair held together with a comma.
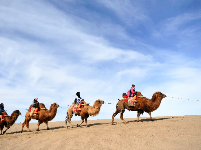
x: 131, y: 92
x: 125, y: 98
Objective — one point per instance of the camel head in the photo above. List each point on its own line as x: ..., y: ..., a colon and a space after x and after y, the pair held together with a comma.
x: 99, y: 101
x: 55, y: 105
x: 159, y: 94
x: 17, y: 112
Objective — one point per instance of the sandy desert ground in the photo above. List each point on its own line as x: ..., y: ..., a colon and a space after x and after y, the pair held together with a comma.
x: 177, y: 132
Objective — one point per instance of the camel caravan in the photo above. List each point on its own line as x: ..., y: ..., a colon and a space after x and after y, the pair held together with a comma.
x: 132, y: 101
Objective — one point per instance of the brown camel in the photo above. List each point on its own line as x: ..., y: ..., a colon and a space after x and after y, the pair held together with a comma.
x: 9, y: 120
x: 143, y: 104
x: 43, y: 115
x: 85, y: 112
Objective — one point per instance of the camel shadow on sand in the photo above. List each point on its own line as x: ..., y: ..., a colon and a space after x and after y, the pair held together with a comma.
x: 98, y: 124
x: 34, y: 131
x: 149, y: 120
x: 109, y: 123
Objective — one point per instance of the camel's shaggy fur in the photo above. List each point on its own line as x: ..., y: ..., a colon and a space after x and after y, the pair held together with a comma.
x: 143, y: 104
x: 85, y: 112
x: 43, y: 115
x: 9, y: 120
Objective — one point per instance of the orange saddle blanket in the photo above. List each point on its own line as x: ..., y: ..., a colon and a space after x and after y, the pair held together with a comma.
x: 132, y: 101
x: 77, y: 107
x: 31, y: 108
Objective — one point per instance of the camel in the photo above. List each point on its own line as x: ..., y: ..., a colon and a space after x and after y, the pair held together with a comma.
x: 143, y: 104
x: 9, y: 120
x: 85, y: 112
x: 43, y: 115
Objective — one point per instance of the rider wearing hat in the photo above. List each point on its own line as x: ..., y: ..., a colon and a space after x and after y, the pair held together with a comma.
x: 131, y: 92
x: 35, y: 105
x: 78, y: 100
x: 1, y: 110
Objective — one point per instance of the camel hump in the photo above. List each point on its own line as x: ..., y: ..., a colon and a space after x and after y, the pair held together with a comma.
x: 139, y: 93
x: 42, y: 105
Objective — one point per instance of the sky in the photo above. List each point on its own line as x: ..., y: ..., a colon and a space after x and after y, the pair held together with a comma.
x: 52, y: 49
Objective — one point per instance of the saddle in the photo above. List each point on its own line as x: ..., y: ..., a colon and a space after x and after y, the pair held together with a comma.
x: 132, y: 101
x: 4, y: 114
x: 30, y: 108
x: 77, y: 108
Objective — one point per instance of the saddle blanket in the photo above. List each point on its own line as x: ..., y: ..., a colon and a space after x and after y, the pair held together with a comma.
x: 132, y: 101
x: 30, y: 108
x: 75, y: 109
x: 4, y: 114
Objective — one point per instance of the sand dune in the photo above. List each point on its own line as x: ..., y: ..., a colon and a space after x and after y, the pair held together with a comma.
x: 178, y: 132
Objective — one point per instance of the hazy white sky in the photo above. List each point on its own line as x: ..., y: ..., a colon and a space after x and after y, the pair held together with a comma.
x: 52, y: 49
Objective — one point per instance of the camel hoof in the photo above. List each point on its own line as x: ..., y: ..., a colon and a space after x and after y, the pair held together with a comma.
x: 47, y: 128
x: 78, y: 125
x: 36, y: 130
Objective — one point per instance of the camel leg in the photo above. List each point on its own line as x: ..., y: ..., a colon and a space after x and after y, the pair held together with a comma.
x: 138, y: 115
x: 114, y: 116
x: 46, y: 122
x: 6, y: 130
x: 82, y: 117
x: 26, y: 121
x: 68, y: 119
x: 39, y: 122
x: 122, y: 117
x: 150, y: 116
x: 86, y: 121
x: 23, y: 125
x: 78, y: 125
x: 27, y: 124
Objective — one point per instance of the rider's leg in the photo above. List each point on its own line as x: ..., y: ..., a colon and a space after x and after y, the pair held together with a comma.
x: 1, y: 116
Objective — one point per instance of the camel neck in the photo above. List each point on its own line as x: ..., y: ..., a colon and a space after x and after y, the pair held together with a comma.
x: 156, y: 103
x: 52, y: 113
x: 13, y: 118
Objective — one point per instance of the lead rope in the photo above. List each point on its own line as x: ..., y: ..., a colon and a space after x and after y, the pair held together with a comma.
x: 181, y: 98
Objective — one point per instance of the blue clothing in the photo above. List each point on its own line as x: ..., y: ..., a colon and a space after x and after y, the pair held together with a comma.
x: 78, y: 100
x: 1, y: 109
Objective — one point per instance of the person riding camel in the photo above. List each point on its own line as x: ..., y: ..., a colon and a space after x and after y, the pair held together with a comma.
x: 1, y: 110
x: 78, y: 100
x: 132, y: 93
x: 35, y: 106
